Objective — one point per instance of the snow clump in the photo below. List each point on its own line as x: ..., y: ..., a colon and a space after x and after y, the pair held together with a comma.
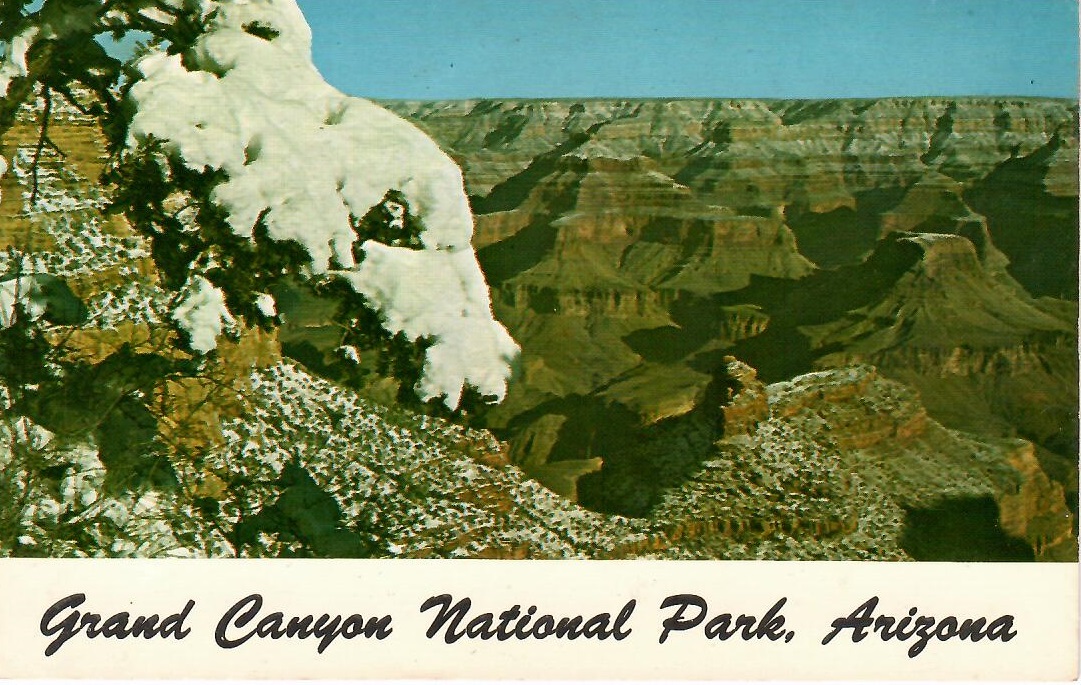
x: 202, y: 313
x: 20, y: 294
x: 307, y: 161
x: 13, y: 65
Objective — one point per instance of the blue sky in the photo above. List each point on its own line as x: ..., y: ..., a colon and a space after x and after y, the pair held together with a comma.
x: 437, y: 49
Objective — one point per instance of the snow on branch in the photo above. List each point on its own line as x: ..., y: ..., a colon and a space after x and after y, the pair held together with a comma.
x: 306, y: 161
x: 202, y: 313
x: 13, y: 65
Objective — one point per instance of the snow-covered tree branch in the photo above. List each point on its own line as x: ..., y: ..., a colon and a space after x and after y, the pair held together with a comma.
x: 243, y: 166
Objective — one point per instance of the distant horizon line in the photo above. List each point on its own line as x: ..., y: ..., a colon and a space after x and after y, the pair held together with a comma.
x: 665, y: 98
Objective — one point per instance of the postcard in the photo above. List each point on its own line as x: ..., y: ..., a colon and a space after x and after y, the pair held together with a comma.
x: 555, y: 340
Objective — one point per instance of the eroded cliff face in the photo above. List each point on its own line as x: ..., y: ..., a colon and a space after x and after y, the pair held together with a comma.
x: 845, y: 463
x: 631, y: 246
x: 832, y: 169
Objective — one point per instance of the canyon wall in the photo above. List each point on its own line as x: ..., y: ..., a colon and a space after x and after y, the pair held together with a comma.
x: 632, y: 246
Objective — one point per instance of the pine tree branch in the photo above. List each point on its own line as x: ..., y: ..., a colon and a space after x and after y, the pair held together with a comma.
x: 46, y: 114
x: 74, y: 101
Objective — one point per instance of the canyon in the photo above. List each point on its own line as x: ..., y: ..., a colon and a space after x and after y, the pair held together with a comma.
x: 749, y: 330
x: 636, y: 249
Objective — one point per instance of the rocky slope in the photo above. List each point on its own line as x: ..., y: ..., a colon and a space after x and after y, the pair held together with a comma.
x: 856, y: 458
x: 632, y: 245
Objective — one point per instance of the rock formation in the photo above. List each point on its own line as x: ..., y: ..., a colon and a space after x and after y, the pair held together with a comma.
x: 634, y: 245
